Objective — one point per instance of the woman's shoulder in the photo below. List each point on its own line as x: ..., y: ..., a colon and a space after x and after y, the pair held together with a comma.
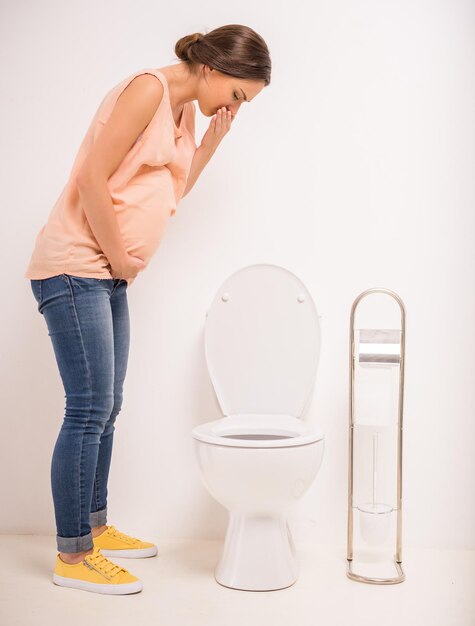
x: 145, y: 82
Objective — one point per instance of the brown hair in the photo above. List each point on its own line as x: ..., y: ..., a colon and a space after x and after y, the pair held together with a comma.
x: 233, y: 49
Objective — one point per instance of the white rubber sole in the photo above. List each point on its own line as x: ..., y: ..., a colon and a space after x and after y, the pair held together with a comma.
x: 131, y: 554
x: 97, y: 587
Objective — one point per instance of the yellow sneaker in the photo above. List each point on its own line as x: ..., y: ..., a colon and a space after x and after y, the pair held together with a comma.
x: 114, y: 543
x: 96, y: 573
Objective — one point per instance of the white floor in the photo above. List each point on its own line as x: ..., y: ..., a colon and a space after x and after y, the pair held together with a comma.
x: 180, y: 590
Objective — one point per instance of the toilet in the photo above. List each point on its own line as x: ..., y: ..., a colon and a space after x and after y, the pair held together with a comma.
x: 262, y: 347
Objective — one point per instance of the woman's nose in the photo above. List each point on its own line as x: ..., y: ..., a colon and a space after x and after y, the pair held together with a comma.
x: 234, y: 108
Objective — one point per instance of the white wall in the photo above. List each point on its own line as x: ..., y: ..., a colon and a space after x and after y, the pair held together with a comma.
x: 353, y: 169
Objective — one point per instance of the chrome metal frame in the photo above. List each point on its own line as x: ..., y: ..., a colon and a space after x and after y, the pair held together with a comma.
x: 398, y: 556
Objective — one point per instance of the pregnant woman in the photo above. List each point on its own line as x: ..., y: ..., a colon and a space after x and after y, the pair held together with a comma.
x: 137, y: 160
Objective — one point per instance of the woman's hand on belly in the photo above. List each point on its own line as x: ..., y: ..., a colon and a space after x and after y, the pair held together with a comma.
x: 128, y: 267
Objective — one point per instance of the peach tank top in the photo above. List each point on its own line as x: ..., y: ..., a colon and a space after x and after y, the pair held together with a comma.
x: 145, y: 190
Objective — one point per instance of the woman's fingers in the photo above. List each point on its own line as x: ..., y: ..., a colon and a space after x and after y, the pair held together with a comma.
x: 223, y: 120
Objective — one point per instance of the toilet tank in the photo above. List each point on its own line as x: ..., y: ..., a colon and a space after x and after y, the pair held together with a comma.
x: 262, y: 342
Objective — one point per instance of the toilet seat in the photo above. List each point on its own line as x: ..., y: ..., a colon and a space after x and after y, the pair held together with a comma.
x: 248, y: 430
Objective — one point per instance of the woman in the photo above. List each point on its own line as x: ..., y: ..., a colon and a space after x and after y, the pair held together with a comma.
x: 138, y: 158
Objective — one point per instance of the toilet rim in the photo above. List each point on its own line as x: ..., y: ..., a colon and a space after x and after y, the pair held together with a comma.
x: 289, y: 431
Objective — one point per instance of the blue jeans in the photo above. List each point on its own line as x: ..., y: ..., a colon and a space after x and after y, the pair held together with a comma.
x: 88, y: 322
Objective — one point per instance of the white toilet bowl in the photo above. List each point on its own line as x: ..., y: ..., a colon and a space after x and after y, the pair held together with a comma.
x: 262, y: 343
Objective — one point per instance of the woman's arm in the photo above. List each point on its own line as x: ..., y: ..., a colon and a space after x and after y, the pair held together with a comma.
x: 200, y: 159
x: 218, y: 127
x: 133, y: 111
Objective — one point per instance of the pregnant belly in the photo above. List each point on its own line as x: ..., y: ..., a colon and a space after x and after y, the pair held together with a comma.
x: 143, y: 210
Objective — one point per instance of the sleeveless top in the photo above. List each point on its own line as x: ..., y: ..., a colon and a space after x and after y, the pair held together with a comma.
x: 145, y: 190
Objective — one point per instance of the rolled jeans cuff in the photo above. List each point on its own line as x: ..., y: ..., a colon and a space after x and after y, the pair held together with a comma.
x: 84, y: 543
x: 98, y: 518
x: 74, y: 544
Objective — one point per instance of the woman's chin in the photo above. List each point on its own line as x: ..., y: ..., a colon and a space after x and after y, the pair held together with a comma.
x: 206, y: 113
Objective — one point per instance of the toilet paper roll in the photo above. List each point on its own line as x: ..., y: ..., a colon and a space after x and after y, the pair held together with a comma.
x: 378, y: 347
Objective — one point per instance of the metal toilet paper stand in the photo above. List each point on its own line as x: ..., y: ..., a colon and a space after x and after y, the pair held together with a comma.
x: 376, y: 348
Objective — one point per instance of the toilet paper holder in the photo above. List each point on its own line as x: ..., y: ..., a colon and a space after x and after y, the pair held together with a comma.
x: 376, y: 348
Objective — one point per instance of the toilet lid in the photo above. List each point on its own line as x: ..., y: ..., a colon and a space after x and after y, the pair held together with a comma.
x: 262, y: 342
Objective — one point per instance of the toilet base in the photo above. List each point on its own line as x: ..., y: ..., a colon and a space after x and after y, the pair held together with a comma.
x: 258, y: 554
